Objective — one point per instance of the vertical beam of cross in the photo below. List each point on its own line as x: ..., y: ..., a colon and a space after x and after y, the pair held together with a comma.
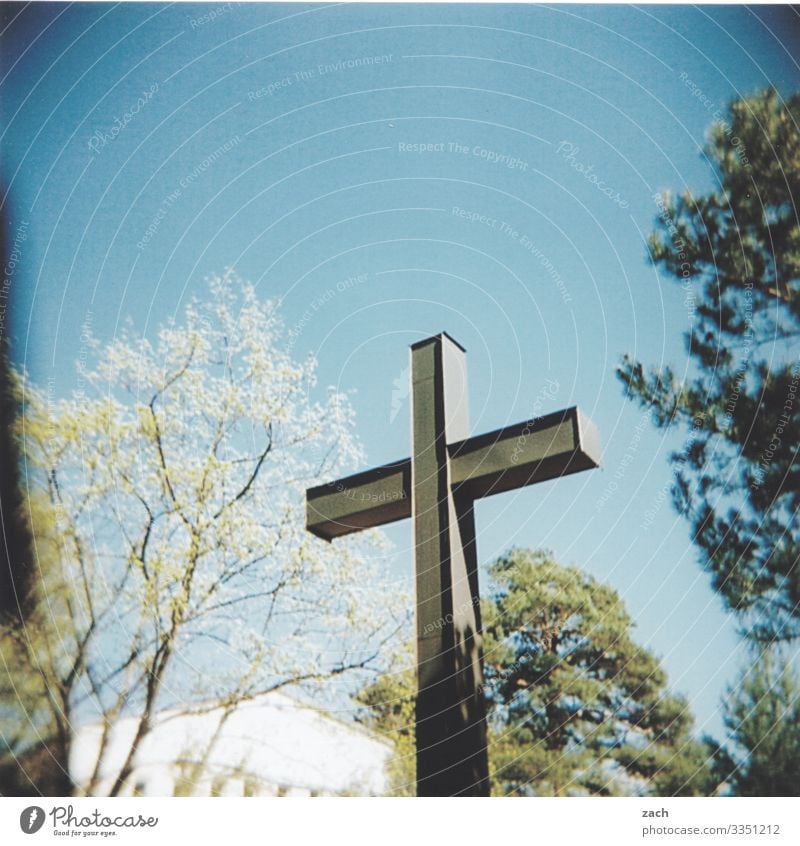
x: 450, y: 722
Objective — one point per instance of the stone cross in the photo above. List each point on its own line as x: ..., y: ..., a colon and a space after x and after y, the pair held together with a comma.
x: 448, y: 470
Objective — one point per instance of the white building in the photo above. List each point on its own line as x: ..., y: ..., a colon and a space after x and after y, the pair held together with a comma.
x: 271, y: 746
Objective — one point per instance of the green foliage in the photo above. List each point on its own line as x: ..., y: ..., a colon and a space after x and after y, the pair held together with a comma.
x: 762, y: 715
x: 575, y: 706
x: 736, y: 252
x: 34, y: 722
x: 173, y: 562
x: 389, y: 704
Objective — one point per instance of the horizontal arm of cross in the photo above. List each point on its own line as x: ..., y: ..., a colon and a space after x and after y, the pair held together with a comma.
x: 522, y: 454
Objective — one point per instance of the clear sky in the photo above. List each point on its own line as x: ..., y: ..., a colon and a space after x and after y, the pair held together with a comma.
x: 390, y: 172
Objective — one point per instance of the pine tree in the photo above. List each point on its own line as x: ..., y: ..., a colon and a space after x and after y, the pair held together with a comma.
x: 575, y: 706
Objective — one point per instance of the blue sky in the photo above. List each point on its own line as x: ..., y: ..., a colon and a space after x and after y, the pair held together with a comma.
x: 487, y: 170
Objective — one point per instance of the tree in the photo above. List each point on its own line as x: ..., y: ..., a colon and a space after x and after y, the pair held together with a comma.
x: 762, y: 715
x: 736, y: 252
x: 35, y: 734
x: 15, y: 539
x: 185, y: 578
x: 25, y: 711
x: 575, y: 706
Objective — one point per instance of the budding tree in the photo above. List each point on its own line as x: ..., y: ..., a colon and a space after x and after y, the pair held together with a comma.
x: 175, y: 486
x: 575, y: 706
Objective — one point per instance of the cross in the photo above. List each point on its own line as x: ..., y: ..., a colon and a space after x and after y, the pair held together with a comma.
x: 437, y: 486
